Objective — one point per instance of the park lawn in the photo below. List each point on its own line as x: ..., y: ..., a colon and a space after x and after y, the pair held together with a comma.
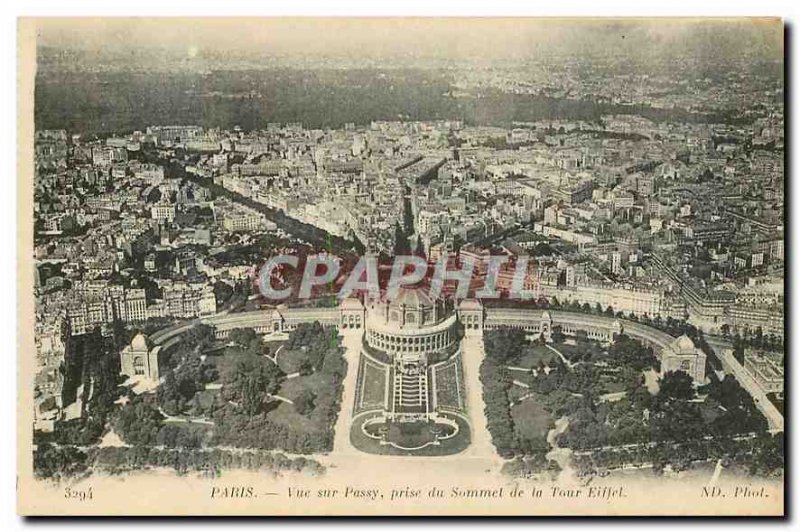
x: 531, y: 419
x: 271, y: 346
x: 710, y: 409
x: 580, y: 349
x: 206, y: 397
x: 289, y: 361
x: 291, y: 388
x: 533, y: 355
x: 611, y: 384
x: 373, y: 391
x: 225, y: 361
x: 285, y: 413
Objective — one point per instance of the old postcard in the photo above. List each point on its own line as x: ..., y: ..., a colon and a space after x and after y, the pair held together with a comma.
x: 412, y: 266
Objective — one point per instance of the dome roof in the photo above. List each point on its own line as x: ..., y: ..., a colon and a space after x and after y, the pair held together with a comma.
x: 351, y: 303
x: 683, y: 345
x: 470, y: 304
x: 139, y: 342
x: 413, y: 298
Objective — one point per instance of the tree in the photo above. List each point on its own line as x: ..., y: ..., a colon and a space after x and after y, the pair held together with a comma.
x: 201, y: 335
x: 629, y: 352
x: 741, y: 414
x: 305, y: 402
x: 138, y: 423
x: 250, y: 381
x: 401, y: 243
x: 557, y: 336
x: 758, y: 337
x: 504, y: 345
x: 631, y: 379
x: 154, y: 196
x: 305, y: 367
x: 408, y: 215
x: 640, y: 397
x: 500, y: 424
x: 419, y: 249
x: 768, y: 454
x: 51, y: 461
x: 314, y: 340
x: 180, y: 436
x: 677, y: 420
x: 247, y: 339
x: 675, y: 385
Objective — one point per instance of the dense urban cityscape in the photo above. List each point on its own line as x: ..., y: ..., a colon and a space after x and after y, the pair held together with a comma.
x: 647, y: 197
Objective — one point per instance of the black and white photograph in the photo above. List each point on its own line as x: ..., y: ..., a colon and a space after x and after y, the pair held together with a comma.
x: 403, y: 266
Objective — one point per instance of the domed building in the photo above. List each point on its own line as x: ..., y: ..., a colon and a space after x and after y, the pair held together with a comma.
x: 411, y: 332
x: 683, y: 355
x: 410, y: 327
x: 139, y: 361
x: 410, y: 390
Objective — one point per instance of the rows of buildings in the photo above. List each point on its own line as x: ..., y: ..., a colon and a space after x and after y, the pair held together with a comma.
x: 669, y: 218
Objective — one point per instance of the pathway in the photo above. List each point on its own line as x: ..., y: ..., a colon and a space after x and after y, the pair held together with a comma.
x: 716, y: 474
x: 183, y: 419
x: 651, y: 381
x: 532, y: 371
x: 569, y: 364
x: 274, y: 358
x: 611, y: 397
x: 521, y: 398
x: 281, y: 398
x: 472, y: 355
x: 561, y: 455
x: 112, y: 439
x: 351, y: 341
x: 724, y: 352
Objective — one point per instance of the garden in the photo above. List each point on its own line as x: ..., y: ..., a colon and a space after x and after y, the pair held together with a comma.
x: 601, y: 391
x: 245, y: 393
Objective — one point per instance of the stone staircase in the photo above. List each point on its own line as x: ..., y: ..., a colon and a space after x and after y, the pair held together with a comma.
x: 410, y: 392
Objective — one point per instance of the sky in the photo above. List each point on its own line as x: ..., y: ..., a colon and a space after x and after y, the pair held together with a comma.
x: 482, y: 38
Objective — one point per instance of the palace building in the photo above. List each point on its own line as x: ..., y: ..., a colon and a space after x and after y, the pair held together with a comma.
x: 410, y: 394
x: 415, y: 330
x: 410, y: 334
x: 410, y: 391
x: 411, y: 326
